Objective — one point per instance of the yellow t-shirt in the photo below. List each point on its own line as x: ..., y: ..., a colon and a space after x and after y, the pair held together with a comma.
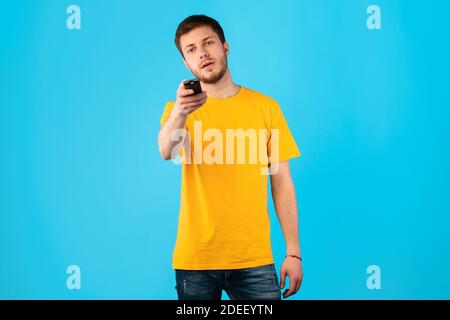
x: 223, y: 220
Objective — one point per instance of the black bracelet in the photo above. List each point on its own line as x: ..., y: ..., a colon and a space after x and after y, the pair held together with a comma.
x: 293, y: 255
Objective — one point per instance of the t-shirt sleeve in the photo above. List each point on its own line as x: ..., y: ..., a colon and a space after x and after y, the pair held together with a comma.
x: 281, y: 143
x: 166, y: 113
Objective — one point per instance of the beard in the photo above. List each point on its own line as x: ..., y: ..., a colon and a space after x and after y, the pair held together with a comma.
x: 213, y: 77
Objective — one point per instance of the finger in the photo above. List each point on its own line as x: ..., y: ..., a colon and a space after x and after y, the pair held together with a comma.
x: 181, y: 83
x: 180, y: 87
x: 282, y: 279
x: 291, y: 290
x: 182, y: 91
x: 185, y: 92
x: 185, y: 102
x: 297, y: 287
x: 193, y: 98
x: 189, y: 94
x: 194, y: 105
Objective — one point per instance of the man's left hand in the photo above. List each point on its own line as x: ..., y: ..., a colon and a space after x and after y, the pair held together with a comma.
x: 291, y: 267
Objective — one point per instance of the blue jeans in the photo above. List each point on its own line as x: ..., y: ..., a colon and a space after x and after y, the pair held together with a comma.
x: 257, y: 283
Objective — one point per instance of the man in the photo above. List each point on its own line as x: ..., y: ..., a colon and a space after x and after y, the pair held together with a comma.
x: 223, y: 239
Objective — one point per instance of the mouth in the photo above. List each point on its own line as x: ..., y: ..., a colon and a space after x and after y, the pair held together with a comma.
x: 207, y: 64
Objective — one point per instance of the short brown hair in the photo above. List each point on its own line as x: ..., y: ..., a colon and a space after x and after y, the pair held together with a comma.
x: 196, y: 21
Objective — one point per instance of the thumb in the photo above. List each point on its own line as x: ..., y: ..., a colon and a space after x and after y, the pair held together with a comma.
x: 181, y: 86
x: 282, y: 278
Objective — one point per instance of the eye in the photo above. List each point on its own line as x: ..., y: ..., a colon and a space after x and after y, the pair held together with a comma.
x: 209, y: 42
x: 190, y: 49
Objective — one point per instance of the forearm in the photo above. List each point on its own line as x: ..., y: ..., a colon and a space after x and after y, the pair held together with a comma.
x: 166, y: 138
x: 286, y: 208
x: 173, y: 132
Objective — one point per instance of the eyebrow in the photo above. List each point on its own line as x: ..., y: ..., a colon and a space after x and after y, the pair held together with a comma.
x: 190, y: 45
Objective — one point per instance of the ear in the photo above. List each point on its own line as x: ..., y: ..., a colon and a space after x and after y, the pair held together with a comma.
x: 226, y: 48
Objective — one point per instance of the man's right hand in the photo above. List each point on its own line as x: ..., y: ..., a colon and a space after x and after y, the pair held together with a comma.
x: 184, y: 105
x: 187, y: 103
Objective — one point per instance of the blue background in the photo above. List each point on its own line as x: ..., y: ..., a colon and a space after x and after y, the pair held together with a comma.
x: 82, y: 181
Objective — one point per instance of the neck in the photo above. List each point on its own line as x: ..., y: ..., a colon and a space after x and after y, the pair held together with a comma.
x: 222, y: 89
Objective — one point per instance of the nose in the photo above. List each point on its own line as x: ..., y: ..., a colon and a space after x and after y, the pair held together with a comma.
x: 203, y: 54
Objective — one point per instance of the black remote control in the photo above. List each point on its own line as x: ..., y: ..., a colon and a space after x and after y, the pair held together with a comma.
x: 193, y: 84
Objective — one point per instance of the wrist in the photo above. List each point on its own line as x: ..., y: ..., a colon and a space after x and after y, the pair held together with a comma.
x: 178, y: 114
x: 293, y: 249
x: 294, y: 256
